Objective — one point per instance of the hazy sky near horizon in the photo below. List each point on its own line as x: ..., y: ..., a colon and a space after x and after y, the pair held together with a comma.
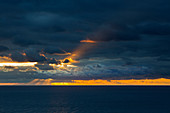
x: 132, y: 38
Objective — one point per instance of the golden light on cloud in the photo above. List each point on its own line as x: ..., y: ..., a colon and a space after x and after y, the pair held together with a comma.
x: 161, y: 81
x: 88, y: 41
x: 5, y: 59
x: 10, y: 84
x: 57, y: 65
x: 99, y: 82
x: 18, y: 63
x: 24, y: 54
x: 63, y: 65
x: 71, y: 60
x: 69, y: 65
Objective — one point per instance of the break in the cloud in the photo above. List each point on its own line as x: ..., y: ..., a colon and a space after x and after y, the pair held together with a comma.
x: 133, y: 35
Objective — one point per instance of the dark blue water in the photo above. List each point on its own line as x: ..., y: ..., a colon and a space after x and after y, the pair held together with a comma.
x: 125, y: 99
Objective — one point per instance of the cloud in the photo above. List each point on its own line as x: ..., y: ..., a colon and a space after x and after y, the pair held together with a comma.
x: 5, y: 59
x: 31, y: 55
x: 44, y: 67
x: 109, y: 33
x: 160, y: 81
x: 135, y: 32
x: 23, y: 41
x: 52, y: 50
x: 3, y: 48
x: 154, y: 28
x: 17, y: 56
x: 96, y: 71
x: 119, y: 32
x: 163, y: 58
x: 60, y: 21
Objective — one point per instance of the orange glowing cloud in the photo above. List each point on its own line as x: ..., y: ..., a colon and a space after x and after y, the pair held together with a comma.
x: 24, y: 54
x: 5, y: 59
x: 161, y: 81
x: 88, y: 41
x: 10, y: 84
x: 64, y: 65
x: 99, y: 82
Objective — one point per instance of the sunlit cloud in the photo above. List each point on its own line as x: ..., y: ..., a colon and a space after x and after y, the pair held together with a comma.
x: 24, y: 54
x: 98, y: 82
x: 5, y: 59
x: 161, y: 81
x: 88, y: 41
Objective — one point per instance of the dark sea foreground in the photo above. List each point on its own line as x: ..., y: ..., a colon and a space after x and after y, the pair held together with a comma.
x: 100, y: 99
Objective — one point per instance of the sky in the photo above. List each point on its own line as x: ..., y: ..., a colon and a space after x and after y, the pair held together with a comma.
x: 84, y: 39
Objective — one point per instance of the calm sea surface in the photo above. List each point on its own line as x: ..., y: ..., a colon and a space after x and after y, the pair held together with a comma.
x: 116, y: 99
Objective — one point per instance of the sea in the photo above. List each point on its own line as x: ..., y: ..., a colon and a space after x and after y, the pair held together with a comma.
x: 84, y: 99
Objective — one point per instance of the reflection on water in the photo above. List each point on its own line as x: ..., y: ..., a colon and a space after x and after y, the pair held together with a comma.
x: 84, y: 99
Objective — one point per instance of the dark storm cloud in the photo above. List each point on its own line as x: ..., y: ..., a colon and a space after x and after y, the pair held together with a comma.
x: 107, y: 33
x: 154, y: 28
x: 17, y: 56
x: 129, y: 33
x: 125, y: 29
x: 162, y: 58
x: 23, y: 41
x: 53, y: 61
x: 34, y: 56
x: 3, y: 48
x: 36, y: 21
x: 31, y: 55
x: 44, y: 67
x: 51, y: 50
